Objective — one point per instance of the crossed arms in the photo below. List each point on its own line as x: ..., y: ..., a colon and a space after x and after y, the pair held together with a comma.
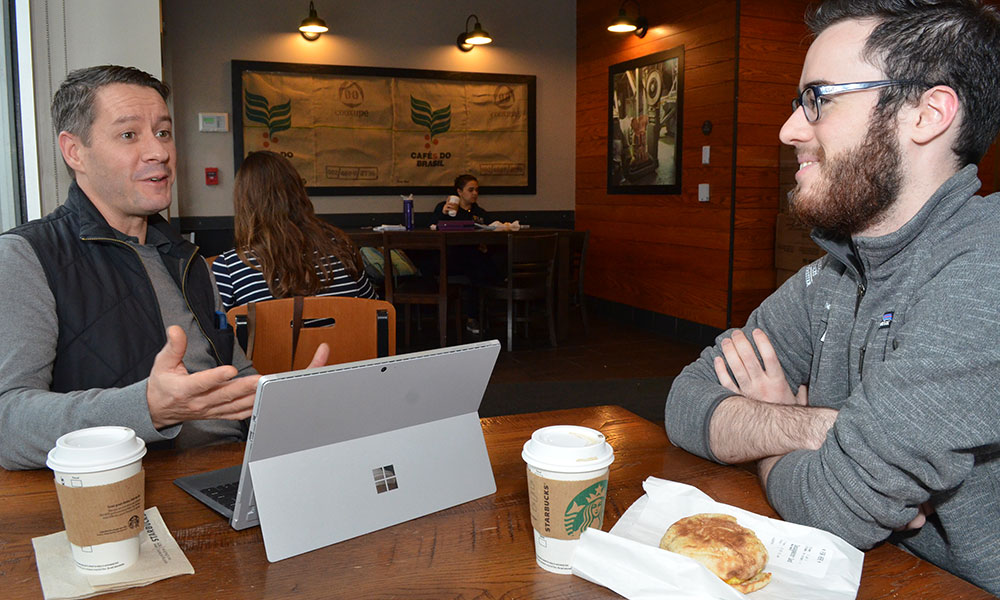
x: 859, y: 457
x: 763, y: 419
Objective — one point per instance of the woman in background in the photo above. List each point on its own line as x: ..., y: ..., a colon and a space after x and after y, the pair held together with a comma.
x: 282, y: 248
x: 472, y: 263
x: 464, y: 206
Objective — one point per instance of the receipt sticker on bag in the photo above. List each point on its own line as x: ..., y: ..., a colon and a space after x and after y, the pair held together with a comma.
x: 805, y: 563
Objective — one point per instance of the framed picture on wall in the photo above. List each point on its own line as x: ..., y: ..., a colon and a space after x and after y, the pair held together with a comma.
x: 645, y: 123
x: 375, y: 131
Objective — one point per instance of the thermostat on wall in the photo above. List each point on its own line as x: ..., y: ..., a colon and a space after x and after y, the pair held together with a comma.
x: 213, y: 122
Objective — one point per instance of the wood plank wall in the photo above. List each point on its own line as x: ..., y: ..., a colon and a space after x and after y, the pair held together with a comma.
x: 666, y: 254
x: 671, y: 254
x: 773, y: 43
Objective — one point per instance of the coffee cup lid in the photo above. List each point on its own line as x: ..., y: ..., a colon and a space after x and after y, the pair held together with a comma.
x: 568, y: 449
x: 95, y: 449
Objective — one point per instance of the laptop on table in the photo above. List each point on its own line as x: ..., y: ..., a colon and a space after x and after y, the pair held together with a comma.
x: 336, y: 452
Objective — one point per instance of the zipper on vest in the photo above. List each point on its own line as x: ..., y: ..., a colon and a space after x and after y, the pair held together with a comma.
x: 860, y: 295
x: 184, y: 275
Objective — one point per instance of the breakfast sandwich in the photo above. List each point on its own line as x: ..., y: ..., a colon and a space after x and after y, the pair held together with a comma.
x: 725, y: 547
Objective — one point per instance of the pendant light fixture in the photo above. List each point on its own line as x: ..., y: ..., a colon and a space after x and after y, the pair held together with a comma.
x: 312, y: 26
x: 624, y: 24
x: 467, y: 40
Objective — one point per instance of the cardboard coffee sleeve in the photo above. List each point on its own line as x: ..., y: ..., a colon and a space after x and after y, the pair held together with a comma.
x: 103, y: 513
x: 563, y: 509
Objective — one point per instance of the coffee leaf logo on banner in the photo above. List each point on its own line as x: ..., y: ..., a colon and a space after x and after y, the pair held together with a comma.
x: 436, y: 121
x: 275, y: 118
x: 586, y: 509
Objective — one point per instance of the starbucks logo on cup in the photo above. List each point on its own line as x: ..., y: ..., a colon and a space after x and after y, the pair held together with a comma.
x: 586, y: 509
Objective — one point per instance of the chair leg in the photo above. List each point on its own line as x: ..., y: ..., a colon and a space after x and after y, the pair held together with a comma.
x: 443, y: 323
x: 459, y: 326
x: 483, y: 320
x: 406, y: 323
x: 550, y: 315
x: 510, y: 324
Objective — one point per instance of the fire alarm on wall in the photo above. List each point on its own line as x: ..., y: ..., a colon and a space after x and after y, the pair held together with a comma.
x: 211, y: 176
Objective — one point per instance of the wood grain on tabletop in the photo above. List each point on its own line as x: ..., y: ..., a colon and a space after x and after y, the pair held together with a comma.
x: 480, y: 549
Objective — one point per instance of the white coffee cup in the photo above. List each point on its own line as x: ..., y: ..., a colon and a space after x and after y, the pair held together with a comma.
x: 451, y: 205
x: 567, y: 487
x: 100, y: 456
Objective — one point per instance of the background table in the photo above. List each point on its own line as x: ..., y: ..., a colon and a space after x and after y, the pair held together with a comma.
x: 481, y: 549
x: 474, y: 237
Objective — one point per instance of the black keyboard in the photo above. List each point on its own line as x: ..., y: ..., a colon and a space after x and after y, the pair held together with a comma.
x: 224, y: 494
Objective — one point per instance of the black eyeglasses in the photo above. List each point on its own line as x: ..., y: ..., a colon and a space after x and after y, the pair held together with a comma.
x: 810, y: 98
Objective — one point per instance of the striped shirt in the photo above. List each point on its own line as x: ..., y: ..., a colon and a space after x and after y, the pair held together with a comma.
x: 240, y: 284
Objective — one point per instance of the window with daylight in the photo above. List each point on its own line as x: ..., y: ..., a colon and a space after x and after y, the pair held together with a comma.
x: 11, y: 196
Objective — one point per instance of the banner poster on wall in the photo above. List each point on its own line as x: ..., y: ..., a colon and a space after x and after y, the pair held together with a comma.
x: 382, y: 131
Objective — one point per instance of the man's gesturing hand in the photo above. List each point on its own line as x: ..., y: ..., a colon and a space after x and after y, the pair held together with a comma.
x: 175, y: 396
x: 762, y: 380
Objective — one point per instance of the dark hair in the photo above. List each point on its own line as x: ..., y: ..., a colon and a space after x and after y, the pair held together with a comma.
x: 937, y: 42
x: 73, y: 103
x: 275, y: 222
x: 461, y: 180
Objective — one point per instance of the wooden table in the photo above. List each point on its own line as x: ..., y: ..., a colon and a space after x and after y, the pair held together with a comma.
x: 474, y: 237
x: 481, y: 549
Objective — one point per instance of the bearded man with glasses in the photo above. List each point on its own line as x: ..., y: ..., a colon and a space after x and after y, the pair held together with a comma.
x: 867, y: 388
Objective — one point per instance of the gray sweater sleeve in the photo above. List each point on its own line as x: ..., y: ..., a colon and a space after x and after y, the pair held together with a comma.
x: 917, y: 425
x: 696, y: 391
x: 31, y: 416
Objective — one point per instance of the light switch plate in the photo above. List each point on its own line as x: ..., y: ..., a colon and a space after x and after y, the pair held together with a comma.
x: 706, y: 152
x: 703, y: 194
x: 213, y: 122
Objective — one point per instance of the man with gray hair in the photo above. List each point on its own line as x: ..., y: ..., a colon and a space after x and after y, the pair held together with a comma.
x: 867, y: 387
x: 110, y: 317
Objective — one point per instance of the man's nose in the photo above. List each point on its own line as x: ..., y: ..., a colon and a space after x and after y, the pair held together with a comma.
x: 156, y: 149
x: 796, y: 128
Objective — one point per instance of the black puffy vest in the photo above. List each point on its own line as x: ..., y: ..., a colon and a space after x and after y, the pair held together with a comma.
x: 110, y: 327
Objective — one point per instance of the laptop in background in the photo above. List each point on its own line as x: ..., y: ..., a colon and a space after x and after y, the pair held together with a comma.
x: 340, y: 451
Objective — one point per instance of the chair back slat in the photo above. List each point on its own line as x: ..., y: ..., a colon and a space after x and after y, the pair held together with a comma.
x: 531, y: 260
x: 354, y: 334
x: 531, y: 263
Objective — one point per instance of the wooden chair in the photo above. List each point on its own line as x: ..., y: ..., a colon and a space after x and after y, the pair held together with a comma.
x: 361, y: 329
x: 421, y: 290
x: 579, y: 241
x: 531, y: 262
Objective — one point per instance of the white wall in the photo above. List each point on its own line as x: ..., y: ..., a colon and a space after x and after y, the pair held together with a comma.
x: 68, y: 35
x: 531, y: 38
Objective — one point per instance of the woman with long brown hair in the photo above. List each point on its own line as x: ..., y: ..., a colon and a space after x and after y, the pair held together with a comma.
x: 282, y: 248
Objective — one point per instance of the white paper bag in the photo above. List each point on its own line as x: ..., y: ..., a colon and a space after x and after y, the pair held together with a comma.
x: 805, y: 563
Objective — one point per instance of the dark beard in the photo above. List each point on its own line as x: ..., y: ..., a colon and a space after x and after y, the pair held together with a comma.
x: 857, y: 188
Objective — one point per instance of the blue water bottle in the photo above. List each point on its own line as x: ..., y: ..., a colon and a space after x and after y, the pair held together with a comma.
x: 408, y: 212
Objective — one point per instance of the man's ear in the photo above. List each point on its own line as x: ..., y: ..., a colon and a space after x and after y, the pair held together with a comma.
x: 935, y: 113
x: 71, y: 146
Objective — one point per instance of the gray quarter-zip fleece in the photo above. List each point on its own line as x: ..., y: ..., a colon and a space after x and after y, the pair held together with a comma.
x: 901, y: 334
